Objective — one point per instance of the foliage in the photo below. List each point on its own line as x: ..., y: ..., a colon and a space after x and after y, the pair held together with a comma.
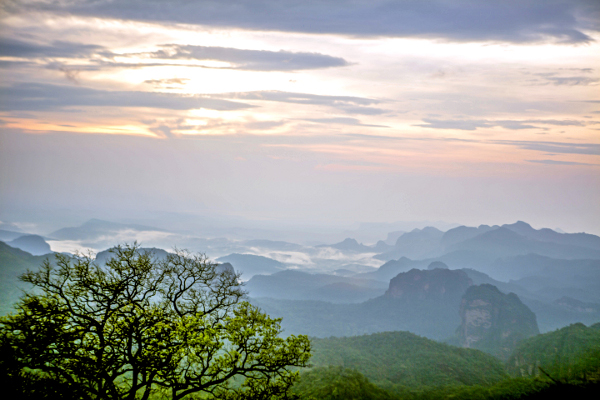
x: 403, y: 359
x: 137, y: 327
x: 337, y: 383
x: 404, y: 366
x: 570, y: 354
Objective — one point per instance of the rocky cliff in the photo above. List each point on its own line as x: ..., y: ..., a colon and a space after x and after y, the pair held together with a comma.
x: 436, y: 284
x: 493, y: 321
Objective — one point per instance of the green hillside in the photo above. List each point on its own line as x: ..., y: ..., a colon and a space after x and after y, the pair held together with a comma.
x: 568, y: 354
x: 400, y: 365
x: 13, y: 263
x: 333, y: 383
x: 392, y: 359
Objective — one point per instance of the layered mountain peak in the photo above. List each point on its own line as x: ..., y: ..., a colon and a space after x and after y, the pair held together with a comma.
x: 436, y: 284
x: 493, y: 321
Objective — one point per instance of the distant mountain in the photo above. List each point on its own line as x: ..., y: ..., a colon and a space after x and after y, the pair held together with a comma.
x: 462, y: 233
x: 13, y: 263
x: 273, y: 245
x: 551, y: 313
x: 549, y: 235
x: 437, y: 265
x: 522, y: 266
x: 158, y: 254
x: 298, y: 285
x: 250, y: 264
x: 425, y: 302
x: 9, y: 235
x: 417, y: 244
x: 94, y: 228
x: 578, y: 306
x: 33, y: 244
x: 504, y: 242
x: 494, y: 322
x: 480, y: 278
x: 438, y: 285
x: 392, y: 237
x: 455, y: 260
x: 391, y: 268
x: 225, y: 267
x: 381, y: 247
x: 349, y: 245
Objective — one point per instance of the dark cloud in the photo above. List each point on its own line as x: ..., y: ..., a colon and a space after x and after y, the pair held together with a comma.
x: 353, y: 136
x: 10, y: 47
x: 571, y: 80
x: 254, y: 60
x: 459, y: 20
x: 551, y: 78
x: 557, y: 162
x: 545, y: 147
x: 348, y: 109
x: 348, y: 104
x: 35, y: 97
x: 566, y: 122
x: 471, y: 125
x: 554, y: 147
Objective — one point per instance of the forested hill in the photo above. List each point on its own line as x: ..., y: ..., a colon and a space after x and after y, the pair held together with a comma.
x: 401, y: 365
x: 391, y: 359
x: 565, y: 354
x: 13, y: 263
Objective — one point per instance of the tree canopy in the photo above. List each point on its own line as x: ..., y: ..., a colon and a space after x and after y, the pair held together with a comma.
x: 138, y: 326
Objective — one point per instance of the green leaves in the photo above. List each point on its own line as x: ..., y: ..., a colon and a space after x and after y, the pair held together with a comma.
x: 136, y: 325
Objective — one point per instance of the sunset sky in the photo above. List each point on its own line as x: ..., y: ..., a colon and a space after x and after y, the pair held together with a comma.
x: 306, y: 112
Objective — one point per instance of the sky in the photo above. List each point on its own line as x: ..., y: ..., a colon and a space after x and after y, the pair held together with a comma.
x: 302, y: 112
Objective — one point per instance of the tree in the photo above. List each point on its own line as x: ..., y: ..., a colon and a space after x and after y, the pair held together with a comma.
x: 139, y: 326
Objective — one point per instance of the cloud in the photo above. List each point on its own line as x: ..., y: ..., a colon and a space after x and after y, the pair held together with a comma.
x: 263, y: 125
x: 557, y: 162
x: 554, y: 147
x: 254, y: 60
x: 10, y: 47
x: 458, y: 20
x: 168, y: 83
x: 36, y: 96
x: 566, y: 122
x: 342, y: 121
x: 559, y: 78
x: 353, y: 136
x: 348, y: 104
x: 545, y: 147
x: 100, y: 56
x: 572, y: 80
x: 471, y: 125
